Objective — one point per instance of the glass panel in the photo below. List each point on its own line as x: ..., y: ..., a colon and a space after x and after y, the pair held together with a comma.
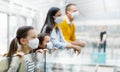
x: 29, y: 21
x: 15, y: 22
x: 3, y: 33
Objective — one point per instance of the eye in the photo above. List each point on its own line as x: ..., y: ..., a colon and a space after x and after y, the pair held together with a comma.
x: 48, y: 41
x: 33, y: 37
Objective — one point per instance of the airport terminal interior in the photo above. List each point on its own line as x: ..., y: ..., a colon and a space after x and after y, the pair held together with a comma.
x: 92, y: 15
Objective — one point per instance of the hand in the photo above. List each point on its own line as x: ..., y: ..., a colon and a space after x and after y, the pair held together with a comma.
x: 55, y: 49
x: 20, y: 54
x: 77, y: 49
x: 46, y: 50
x: 40, y: 50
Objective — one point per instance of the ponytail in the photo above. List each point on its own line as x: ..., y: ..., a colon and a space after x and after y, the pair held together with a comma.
x: 13, y: 47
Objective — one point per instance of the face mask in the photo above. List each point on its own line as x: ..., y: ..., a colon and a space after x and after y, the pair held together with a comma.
x: 58, y: 19
x: 74, y: 14
x: 33, y: 43
x: 49, y: 45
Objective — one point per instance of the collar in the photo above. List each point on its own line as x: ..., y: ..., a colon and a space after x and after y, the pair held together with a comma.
x: 68, y: 21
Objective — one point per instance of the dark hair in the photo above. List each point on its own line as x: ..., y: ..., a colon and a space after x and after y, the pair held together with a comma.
x: 49, y: 22
x: 22, y: 32
x: 41, y: 37
x: 68, y: 7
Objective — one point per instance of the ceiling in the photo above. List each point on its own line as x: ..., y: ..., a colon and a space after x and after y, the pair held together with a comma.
x: 89, y: 9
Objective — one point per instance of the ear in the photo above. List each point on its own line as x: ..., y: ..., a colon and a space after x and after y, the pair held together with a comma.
x: 23, y: 41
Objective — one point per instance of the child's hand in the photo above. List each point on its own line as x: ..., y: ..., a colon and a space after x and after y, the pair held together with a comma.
x: 20, y: 54
x: 40, y: 51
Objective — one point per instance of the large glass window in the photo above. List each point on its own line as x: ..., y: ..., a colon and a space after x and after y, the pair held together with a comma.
x: 3, y: 33
x: 14, y: 23
x: 12, y: 27
x: 29, y: 21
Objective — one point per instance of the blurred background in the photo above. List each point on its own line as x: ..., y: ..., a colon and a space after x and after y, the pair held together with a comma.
x: 93, y: 14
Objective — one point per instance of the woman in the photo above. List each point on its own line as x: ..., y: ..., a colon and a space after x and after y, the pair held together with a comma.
x: 51, y: 27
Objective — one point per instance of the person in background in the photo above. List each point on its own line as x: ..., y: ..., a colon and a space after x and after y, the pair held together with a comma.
x: 68, y: 26
x: 51, y: 27
x: 102, y: 40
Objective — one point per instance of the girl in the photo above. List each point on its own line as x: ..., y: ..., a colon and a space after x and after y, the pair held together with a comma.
x: 27, y: 39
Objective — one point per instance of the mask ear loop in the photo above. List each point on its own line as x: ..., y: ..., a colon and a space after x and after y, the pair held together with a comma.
x: 19, y: 46
x: 53, y: 16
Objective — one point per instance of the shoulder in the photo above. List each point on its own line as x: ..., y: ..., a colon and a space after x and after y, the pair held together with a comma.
x: 104, y: 32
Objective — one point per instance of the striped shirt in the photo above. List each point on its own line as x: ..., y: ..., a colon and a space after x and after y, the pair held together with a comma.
x: 30, y: 63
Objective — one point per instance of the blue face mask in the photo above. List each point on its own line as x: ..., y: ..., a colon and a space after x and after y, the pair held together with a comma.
x: 59, y: 19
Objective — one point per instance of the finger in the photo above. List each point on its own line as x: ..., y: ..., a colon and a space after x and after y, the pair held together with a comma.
x: 40, y: 51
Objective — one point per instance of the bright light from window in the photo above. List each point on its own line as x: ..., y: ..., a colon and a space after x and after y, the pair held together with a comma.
x: 3, y: 33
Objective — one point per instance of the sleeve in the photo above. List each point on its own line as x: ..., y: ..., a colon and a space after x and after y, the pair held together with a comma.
x: 14, y: 66
x: 56, y: 42
x: 61, y: 36
x: 73, y: 36
x: 64, y: 32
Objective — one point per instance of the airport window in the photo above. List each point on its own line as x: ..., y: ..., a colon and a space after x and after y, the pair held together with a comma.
x: 14, y: 23
x: 29, y: 21
x: 12, y: 27
x: 3, y: 33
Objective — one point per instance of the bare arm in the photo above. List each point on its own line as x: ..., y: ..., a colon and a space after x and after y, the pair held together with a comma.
x: 104, y: 38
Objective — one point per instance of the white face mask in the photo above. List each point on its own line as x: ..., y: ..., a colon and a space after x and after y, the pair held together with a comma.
x: 58, y: 19
x: 33, y: 43
x: 49, y: 45
x: 74, y: 14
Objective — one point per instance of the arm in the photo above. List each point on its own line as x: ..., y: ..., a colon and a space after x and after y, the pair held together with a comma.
x: 104, y: 38
x: 55, y: 41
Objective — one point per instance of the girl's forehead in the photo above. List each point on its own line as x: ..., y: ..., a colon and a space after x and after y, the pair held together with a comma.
x: 46, y: 37
x: 32, y: 32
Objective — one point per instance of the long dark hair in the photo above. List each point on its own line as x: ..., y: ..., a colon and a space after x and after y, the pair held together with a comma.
x: 49, y: 22
x: 22, y: 32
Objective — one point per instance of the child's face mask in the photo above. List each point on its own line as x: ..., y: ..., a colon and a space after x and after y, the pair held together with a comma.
x: 33, y: 43
x: 49, y: 45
